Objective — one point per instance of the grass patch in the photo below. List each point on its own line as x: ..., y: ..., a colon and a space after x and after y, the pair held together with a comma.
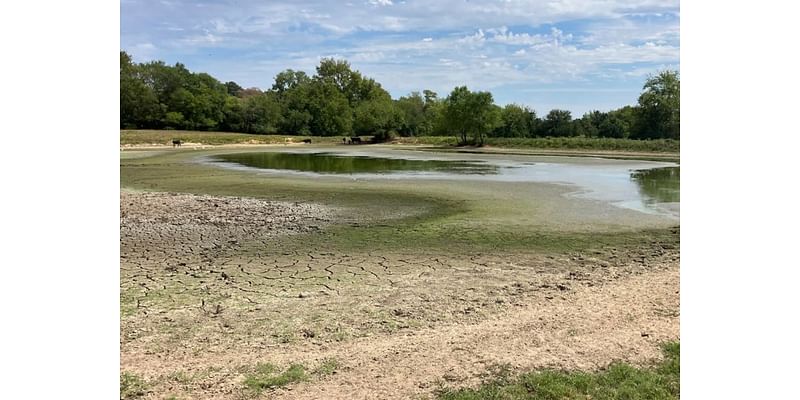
x: 165, y: 137
x: 132, y: 386
x: 617, y: 381
x: 268, y: 376
x: 328, y: 367
x: 581, y: 143
x: 559, y: 143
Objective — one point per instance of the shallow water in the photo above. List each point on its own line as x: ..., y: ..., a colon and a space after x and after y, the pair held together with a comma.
x: 329, y: 163
x: 650, y: 187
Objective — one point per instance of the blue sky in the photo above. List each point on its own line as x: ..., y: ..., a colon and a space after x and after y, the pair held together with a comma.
x: 577, y: 55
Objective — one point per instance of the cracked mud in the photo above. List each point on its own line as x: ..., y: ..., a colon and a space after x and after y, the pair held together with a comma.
x: 206, y: 293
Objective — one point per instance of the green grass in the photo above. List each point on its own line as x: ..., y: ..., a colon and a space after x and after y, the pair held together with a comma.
x: 132, y: 386
x: 580, y: 143
x: 617, y: 381
x: 267, y: 376
x: 328, y: 367
x: 165, y: 137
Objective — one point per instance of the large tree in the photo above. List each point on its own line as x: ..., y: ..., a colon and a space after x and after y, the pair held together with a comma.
x: 558, y: 123
x: 138, y: 103
x: 288, y: 80
x: 330, y: 112
x: 516, y: 121
x: 472, y: 113
x: 261, y: 114
x: 660, y: 107
x: 377, y: 117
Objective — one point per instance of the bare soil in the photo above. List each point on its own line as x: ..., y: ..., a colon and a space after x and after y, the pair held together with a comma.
x: 207, y: 293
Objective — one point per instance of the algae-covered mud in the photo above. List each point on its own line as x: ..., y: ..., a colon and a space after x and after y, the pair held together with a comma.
x: 382, y: 272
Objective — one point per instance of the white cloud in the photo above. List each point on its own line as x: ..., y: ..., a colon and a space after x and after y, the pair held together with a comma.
x: 482, y: 44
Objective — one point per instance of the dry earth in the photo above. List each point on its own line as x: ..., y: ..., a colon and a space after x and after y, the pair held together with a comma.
x: 207, y: 294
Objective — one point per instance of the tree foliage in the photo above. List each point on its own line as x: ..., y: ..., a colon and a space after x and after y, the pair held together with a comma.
x: 338, y: 100
x: 660, y: 107
x: 470, y: 113
x: 558, y: 123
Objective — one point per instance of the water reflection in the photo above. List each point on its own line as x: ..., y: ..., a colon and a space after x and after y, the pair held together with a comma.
x: 626, y: 184
x: 335, y: 164
x: 659, y: 185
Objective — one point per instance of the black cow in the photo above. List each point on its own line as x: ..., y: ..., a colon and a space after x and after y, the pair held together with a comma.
x: 306, y: 140
x: 176, y: 143
x: 355, y: 140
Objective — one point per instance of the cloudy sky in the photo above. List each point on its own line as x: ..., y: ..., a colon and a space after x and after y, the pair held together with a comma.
x: 577, y: 55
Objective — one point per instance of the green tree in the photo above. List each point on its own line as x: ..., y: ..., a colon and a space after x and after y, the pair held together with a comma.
x: 611, y: 127
x: 338, y: 73
x: 289, y: 80
x: 138, y: 103
x: 468, y: 113
x: 558, y: 123
x: 660, y: 107
x: 589, y: 124
x: 233, y: 118
x: 379, y: 118
x: 233, y: 88
x: 329, y: 109
x: 412, y: 109
x: 516, y: 121
x: 627, y: 116
x: 174, y: 120
x: 261, y: 114
x: 293, y: 90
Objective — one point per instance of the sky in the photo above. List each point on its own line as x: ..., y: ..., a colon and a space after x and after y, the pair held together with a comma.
x: 577, y: 55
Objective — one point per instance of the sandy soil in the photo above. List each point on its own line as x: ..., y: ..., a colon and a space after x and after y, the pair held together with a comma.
x: 206, y: 294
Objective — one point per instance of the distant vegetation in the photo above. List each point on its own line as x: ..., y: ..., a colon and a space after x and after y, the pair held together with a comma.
x: 163, y: 137
x: 339, y: 101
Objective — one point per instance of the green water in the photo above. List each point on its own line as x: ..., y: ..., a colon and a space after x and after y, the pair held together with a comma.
x: 659, y: 184
x: 627, y: 184
x: 335, y: 164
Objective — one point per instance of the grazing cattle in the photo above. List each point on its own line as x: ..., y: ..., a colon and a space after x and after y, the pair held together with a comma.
x: 176, y: 143
x: 344, y: 140
x: 355, y: 140
x: 306, y: 140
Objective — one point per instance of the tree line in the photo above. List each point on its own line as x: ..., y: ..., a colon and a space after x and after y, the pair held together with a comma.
x: 339, y: 101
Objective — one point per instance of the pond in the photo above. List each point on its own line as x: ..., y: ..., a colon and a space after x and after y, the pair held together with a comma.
x: 650, y: 187
x: 328, y: 163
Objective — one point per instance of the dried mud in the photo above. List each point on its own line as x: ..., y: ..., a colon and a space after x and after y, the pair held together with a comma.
x: 207, y: 293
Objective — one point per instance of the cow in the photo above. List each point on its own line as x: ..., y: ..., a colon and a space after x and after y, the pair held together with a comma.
x: 355, y: 139
x: 307, y: 141
x: 176, y: 143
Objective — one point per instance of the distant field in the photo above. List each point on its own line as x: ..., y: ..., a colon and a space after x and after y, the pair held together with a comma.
x: 156, y: 137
